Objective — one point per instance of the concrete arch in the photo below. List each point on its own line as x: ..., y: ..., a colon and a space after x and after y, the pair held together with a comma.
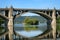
x: 44, y: 15
x: 48, y: 17
x: 39, y: 13
x: 4, y: 17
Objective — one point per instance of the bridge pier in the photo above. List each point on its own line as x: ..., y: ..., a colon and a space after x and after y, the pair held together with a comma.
x: 48, y: 14
x: 10, y: 24
x: 54, y: 24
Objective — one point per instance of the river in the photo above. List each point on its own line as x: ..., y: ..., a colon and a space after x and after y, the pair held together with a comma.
x: 19, y: 28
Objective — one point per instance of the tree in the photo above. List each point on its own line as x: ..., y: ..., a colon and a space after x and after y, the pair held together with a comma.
x: 1, y: 22
x: 58, y: 23
x: 31, y: 21
x: 30, y: 24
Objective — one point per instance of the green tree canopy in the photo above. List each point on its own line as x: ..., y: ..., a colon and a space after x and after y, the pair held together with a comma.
x: 1, y: 22
x: 31, y: 21
x: 58, y: 23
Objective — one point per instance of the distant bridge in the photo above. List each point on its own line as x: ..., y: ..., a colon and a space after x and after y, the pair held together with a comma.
x: 9, y: 14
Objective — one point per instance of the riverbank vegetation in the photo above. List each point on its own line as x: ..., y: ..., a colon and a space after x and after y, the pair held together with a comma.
x: 1, y: 22
x: 58, y: 23
x: 30, y: 24
x: 31, y: 21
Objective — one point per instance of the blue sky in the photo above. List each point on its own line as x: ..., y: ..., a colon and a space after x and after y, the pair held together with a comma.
x: 40, y: 4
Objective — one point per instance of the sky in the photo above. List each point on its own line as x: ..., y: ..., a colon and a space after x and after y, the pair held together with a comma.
x: 31, y: 4
x: 36, y: 4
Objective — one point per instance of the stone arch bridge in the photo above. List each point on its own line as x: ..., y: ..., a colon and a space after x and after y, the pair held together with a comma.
x: 9, y: 15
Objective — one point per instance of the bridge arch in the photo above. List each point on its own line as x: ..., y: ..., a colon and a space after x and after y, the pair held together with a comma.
x: 48, y: 17
x: 4, y: 17
x: 45, y: 15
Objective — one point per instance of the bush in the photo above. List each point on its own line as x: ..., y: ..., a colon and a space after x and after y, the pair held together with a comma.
x: 30, y: 27
x: 1, y: 22
x: 58, y: 23
x: 30, y: 24
x: 31, y: 21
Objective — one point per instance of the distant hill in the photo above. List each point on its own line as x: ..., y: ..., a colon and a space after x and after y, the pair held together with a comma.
x: 21, y: 19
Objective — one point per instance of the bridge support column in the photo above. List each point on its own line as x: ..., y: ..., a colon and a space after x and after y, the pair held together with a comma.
x: 54, y: 24
x: 10, y: 24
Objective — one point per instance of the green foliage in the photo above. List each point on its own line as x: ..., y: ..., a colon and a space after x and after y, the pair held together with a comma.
x: 31, y: 21
x: 30, y: 27
x: 58, y: 23
x: 29, y: 24
x: 1, y: 28
x: 1, y: 22
x: 58, y: 27
x: 58, y: 20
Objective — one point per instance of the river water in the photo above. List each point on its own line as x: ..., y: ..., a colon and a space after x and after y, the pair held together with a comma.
x: 19, y: 28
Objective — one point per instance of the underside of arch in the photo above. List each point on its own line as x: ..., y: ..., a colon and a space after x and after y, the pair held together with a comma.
x: 44, y: 15
x: 39, y: 13
x: 4, y: 17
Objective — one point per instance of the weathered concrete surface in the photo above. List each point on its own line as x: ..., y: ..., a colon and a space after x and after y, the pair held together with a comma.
x: 10, y: 24
x: 10, y: 18
x: 54, y: 24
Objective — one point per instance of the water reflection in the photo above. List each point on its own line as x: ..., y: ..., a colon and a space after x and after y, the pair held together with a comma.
x: 28, y: 31
x: 34, y: 28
